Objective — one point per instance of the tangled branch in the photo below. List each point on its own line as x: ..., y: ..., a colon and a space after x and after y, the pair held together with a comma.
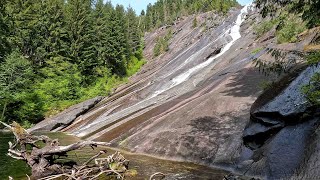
x: 44, y: 166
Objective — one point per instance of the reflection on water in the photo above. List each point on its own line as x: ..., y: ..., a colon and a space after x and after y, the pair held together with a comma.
x: 144, y: 165
x: 8, y: 166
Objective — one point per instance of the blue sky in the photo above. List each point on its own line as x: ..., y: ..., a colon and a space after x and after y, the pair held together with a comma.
x: 244, y: 2
x: 138, y: 5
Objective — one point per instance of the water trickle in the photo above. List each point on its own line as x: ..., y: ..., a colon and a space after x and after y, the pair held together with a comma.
x: 234, y: 32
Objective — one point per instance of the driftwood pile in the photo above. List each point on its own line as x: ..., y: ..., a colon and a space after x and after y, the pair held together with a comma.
x: 43, y: 158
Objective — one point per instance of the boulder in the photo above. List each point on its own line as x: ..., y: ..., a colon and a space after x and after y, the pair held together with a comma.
x: 291, y: 101
x: 279, y: 133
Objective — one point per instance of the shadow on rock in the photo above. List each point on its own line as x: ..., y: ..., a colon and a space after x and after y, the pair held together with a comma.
x: 281, y: 133
x: 245, y: 83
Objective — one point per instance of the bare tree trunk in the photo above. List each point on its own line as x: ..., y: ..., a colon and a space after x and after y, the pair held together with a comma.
x: 3, y: 110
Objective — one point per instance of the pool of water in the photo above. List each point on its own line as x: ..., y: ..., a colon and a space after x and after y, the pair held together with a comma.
x: 9, y: 166
x: 144, y: 165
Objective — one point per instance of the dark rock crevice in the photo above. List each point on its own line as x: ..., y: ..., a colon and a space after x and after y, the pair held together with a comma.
x: 264, y: 125
x: 280, y: 131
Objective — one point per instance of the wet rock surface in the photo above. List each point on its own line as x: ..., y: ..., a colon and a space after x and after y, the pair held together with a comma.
x: 291, y: 101
x: 280, y: 131
x: 66, y: 117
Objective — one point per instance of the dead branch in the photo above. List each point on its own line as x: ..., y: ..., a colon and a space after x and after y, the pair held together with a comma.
x: 160, y: 175
x: 42, y: 160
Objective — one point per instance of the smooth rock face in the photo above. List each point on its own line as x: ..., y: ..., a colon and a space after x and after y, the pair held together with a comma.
x: 291, y: 101
x: 66, y: 117
x: 281, y: 150
x: 184, y: 105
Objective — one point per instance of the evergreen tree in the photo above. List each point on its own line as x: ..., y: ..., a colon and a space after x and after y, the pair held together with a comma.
x: 116, y: 43
x: 15, y: 77
x: 4, y: 31
x: 100, y: 28
x: 55, y: 36
x: 166, y: 11
x: 133, y: 31
x: 25, y: 14
x: 80, y: 33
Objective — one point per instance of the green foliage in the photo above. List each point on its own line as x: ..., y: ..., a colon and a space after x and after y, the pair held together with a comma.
x: 309, y: 10
x: 312, y: 90
x: 27, y: 124
x: 4, y: 32
x: 264, y: 27
x: 15, y: 77
x: 194, y: 22
x: 134, y: 65
x: 313, y: 58
x: 70, y: 51
x: 288, y: 26
x: 279, y: 65
x: 59, y: 87
x: 255, y: 51
x: 162, y: 44
x: 289, y: 30
x: 166, y: 12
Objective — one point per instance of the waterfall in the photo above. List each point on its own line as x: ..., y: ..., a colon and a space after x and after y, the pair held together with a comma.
x: 234, y: 32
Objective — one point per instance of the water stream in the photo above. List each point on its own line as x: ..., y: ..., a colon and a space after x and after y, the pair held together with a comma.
x: 144, y: 165
x: 234, y: 32
x: 163, y: 85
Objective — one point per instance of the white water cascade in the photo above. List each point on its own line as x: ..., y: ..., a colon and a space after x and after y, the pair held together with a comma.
x: 234, y: 32
x: 105, y: 119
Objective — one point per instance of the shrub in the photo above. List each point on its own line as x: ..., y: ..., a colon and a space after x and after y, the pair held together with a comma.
x: 290, y: 28
x: 264, y: 27
x: 194, y: 22
x: 312, y: 90
x: 162, y: 44
x: 255, y: 51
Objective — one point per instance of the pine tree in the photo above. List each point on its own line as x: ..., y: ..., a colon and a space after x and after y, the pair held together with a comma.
x: 4, y: 31
x: 56, y: 37
x: 116, y: 42
x: 99, y: 27
x: 133, y: 31
x: 80, y: 32
x: 25, y: 14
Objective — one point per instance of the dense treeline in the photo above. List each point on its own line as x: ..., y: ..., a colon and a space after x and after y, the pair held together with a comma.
x: 165, y: 12
x: 54, y: 53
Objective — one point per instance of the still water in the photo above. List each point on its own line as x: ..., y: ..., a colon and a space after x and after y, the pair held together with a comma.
x: 144, y: 165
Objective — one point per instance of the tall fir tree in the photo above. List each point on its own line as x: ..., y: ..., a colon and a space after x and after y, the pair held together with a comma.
x: 133, y: 31
x: 26, y: 15
x: 116, y: 41
x: 80, y: 33
x: 4, y: 31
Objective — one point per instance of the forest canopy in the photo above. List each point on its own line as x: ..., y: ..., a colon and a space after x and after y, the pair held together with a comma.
x: 55, y: 53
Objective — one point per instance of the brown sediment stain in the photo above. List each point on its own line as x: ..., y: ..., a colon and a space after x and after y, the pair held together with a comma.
x: 105, y: 106
x: 115, y: 122
x: 155, y: 113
